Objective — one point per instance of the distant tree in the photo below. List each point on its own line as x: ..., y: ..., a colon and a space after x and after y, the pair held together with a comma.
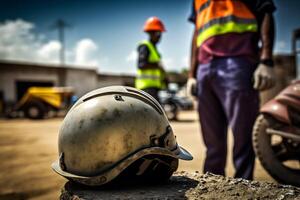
x: 178, y: 77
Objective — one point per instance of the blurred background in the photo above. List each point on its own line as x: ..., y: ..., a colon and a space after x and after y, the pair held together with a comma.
x: 57, y: 43
x: 58, y: 50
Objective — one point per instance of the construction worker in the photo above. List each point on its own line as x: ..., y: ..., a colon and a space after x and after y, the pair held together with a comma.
x: 228, y: 68
x: 150, y: 74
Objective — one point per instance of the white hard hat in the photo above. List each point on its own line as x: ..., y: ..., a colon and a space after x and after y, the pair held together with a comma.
x: 109, y: 129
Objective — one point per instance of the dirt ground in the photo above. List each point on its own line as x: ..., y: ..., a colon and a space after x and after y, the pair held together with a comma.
x: 183, y: 186
x: 29, y: 147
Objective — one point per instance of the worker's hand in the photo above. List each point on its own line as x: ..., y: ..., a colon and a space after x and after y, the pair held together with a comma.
x: 264, y: 77
x: 191, y: 87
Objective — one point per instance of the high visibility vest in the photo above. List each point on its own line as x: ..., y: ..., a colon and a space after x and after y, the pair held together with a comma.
x: 217, y: 17
x: 148, y: 78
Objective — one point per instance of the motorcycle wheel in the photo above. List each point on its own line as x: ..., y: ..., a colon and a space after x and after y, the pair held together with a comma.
x: 171, y: 111
x: 274, y: 156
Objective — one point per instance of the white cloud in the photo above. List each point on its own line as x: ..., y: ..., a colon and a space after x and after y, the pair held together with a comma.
x: 185, y: 61
x: 281, y: 47
x: 132, y: 57
x: 50, y: 51
x: 168, y: 63
x: 281, y: 44
x: 86, y: 53
x: 19, y: 42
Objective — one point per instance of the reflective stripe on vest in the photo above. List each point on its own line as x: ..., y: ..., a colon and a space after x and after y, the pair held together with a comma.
x: 216, y: 17
x: 147, y: 78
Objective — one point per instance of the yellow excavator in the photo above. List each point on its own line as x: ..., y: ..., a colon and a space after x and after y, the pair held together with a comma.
x: 37, y: 102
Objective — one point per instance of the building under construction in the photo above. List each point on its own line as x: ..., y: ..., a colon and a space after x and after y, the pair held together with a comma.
x: 16, y: 78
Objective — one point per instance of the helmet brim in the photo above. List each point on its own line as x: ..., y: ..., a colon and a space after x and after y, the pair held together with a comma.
x: 114, y: 171
x: 184, y: 154
x: 155, y: 29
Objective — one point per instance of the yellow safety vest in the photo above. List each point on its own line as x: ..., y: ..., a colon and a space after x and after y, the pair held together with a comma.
x: 148, y: 78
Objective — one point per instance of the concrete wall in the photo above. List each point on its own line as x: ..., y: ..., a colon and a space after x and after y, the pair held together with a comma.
x: 82, y: 81
x: 10, y: 74
x: 111, y: 79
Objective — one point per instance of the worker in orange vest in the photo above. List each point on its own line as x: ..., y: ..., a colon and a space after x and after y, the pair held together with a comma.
x: 228, y: 68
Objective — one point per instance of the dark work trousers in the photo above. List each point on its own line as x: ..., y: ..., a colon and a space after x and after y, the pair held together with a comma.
x: 153, y: 92
x: 226, y: 98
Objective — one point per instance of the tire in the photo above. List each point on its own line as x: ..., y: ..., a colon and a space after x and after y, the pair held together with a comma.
x: 263, y: 149
x: 171, y: 110
x: 9, y: 112
x: 35, y: 110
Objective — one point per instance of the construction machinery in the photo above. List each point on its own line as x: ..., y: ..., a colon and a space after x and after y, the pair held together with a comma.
x: 38, y: 102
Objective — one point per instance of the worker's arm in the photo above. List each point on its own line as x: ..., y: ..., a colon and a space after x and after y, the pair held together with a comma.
x: 191, y: 83
x: 264, y: 76
x: 194, y: 63
x: 143, y: 58
x: 267, y: 36
x: 263, y: 11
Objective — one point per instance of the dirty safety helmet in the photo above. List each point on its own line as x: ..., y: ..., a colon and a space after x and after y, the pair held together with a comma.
x: 109, y: 129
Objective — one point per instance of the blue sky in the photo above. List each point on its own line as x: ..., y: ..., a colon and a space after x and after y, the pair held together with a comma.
x: 115, y: 27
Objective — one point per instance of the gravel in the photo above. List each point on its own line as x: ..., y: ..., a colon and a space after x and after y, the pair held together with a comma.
x: 184, y: 185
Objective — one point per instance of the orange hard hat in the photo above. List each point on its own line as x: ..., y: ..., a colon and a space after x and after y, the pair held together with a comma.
x: 154, y: 24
